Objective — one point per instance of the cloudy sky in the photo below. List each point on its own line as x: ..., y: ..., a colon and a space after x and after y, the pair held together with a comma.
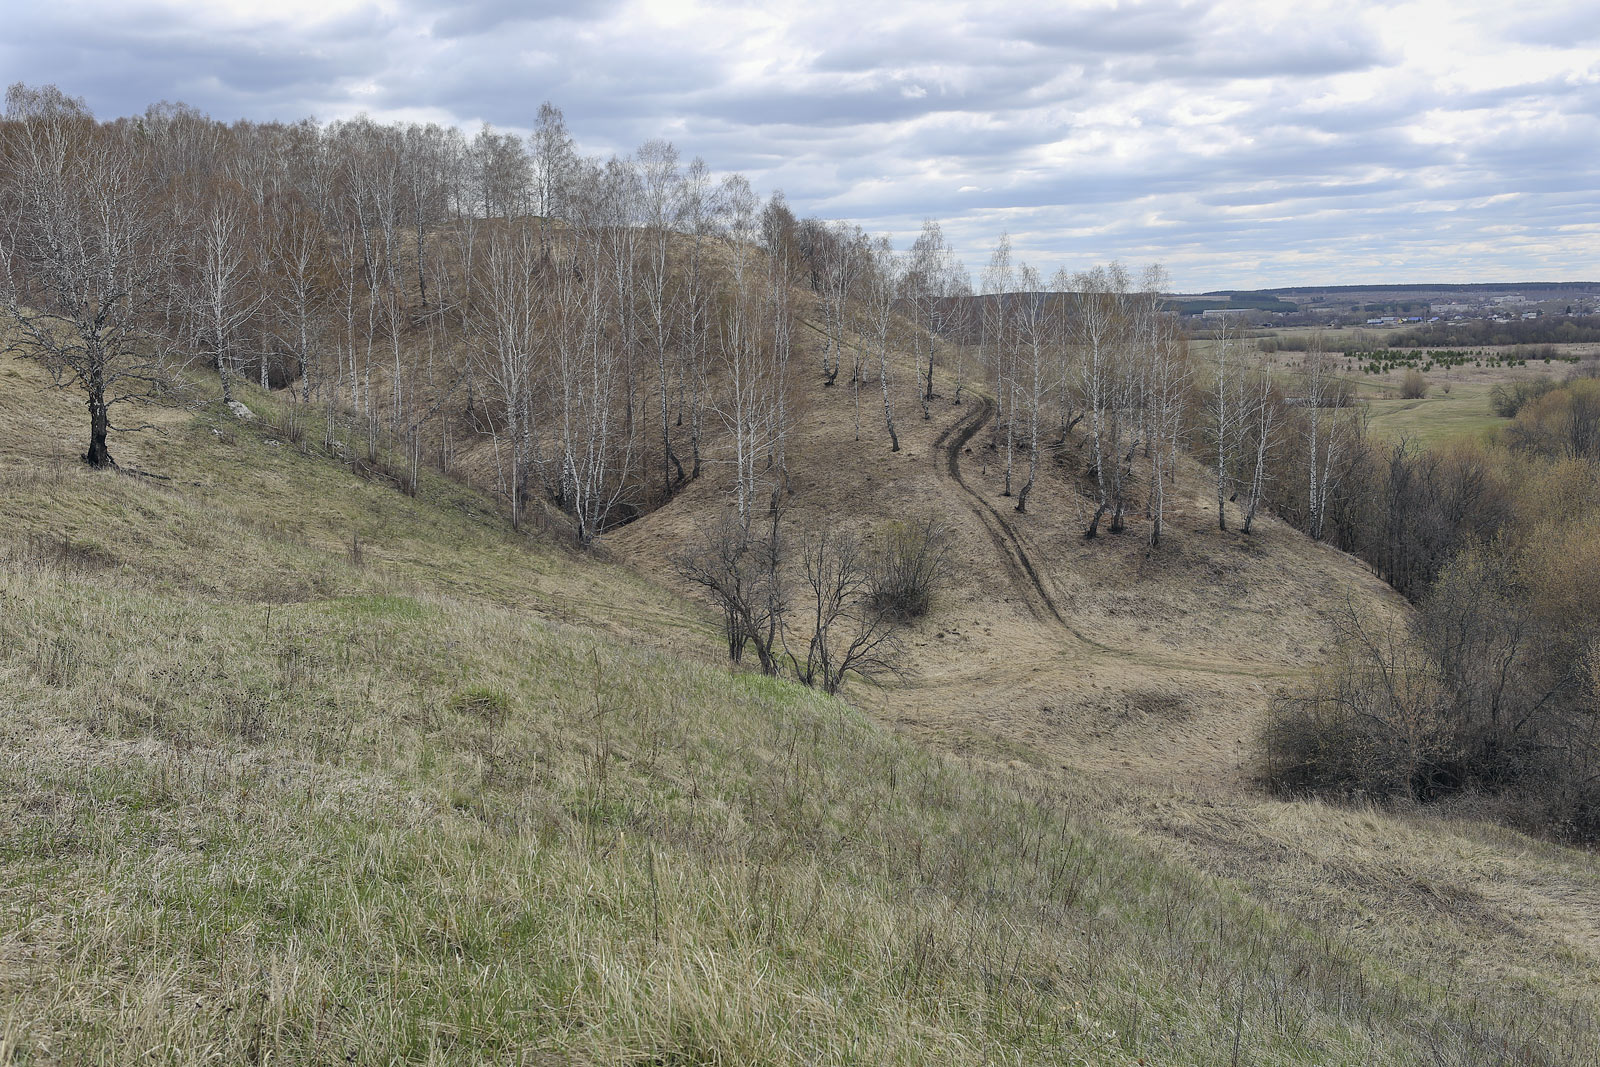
x: 1242, y: 144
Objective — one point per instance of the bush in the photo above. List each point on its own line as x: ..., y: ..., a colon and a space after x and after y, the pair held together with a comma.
x: 1491, y: 690
x: 1364, y: 726
x: 1508, y: 399
x: 1413, y: 386
x: 909, y: 563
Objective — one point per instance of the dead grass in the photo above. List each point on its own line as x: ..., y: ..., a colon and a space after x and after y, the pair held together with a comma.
x: 470, y: 798
x: 1150, y: 697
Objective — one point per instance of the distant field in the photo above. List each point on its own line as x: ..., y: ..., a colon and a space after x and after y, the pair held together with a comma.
x: 1462, y: 412
x: 1457, y: 404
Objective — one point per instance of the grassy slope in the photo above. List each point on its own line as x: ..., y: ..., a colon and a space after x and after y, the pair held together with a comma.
x: 476, y: 799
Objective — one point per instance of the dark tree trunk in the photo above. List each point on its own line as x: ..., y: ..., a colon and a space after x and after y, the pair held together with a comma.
x: 1094, y: 523
x: 98, y: 456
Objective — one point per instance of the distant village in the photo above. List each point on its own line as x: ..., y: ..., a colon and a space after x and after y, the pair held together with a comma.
x: 1342, y: 306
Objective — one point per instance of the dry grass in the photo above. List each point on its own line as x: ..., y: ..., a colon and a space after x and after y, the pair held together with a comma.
x: 1150, y: 697
x: 463, y: 798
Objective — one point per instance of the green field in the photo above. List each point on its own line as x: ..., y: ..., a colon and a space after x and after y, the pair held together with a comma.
x: 1440, y: 416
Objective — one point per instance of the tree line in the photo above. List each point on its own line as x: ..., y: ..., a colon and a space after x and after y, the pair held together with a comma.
x: 592, y: 320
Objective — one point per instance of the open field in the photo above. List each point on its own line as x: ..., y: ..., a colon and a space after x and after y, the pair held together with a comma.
x: 1457, y: 402
x: 1462, y: 412
x: 302, y: 769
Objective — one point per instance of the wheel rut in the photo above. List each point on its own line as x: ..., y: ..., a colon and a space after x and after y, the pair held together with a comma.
x: 1025, y: 577
x: 1001, y: 532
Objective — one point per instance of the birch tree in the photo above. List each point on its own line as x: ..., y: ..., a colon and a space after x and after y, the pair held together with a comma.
x: 1321, y: 430
x: 302, y: 284
x: 1168, y: 384
x: 662, y: 204
x: 1224, y: 403
x: 884, y: 286
x: 83, y: 257
x: 698, y: 214
x: 1261, y: 425
x: 222, y: 295
x: 996, y: 341
x: 1101, y: 324
x: 507, y: 338
x: 1032, y: 329
x: 843, y: 262
x: 928, y: 281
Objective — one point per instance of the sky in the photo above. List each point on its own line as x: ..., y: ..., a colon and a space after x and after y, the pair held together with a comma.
x: 1240, y: 144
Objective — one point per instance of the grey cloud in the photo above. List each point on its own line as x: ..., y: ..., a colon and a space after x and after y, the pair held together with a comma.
x: 1164, y: 28
x: 1227, y: 133
x: 474, y: 18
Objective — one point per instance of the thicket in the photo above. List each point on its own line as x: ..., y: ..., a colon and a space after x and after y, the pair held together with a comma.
x: 1508, y: 398
x: 1494, y: 688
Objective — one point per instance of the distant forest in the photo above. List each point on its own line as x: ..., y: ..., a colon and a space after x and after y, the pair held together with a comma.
x: 1583, y: 329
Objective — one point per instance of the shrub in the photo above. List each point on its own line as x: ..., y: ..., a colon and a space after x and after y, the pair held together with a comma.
x: 1490, y: 690
x: 1413, y: 386
x: 1508, y: 399
x: 1364, y: 725
x: 909, y: 563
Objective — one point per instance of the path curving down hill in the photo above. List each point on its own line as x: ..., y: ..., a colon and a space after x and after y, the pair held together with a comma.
x: 1009, y: 547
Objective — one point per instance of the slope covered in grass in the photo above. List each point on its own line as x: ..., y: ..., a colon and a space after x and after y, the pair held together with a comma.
x: 300, y: 769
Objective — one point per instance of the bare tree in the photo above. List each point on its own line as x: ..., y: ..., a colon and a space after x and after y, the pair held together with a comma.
x: 928, y: 281
x: 1033, y: 337
x: 956, y: 315
x: 753, y: 340
x: 553, y: 162
x: 996, y: 341
x: 508, y: 339
x: 661, y: 207
x: 698, y: 214
x: 424, y: 162
x: 1225, y: 404
x: 1262, y: 416
x: 596, y: 437
x: 884, y: 286
x: 222, y: 293
x: 847, y: 634
x: 83, y: 256
x: 843, y: 260
x: 1101, y: 326
x: 301, y: 284
x: 742, y: 575
x: 1322, y: 432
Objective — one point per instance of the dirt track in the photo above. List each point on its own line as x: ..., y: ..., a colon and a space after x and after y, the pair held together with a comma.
x: 1001, y: 532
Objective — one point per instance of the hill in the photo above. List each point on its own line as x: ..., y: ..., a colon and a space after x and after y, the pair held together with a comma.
x: 302, y: 768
